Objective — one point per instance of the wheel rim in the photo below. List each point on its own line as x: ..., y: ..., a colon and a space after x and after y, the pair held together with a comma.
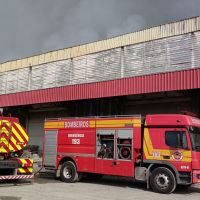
x: 67, y: 172
x: 162, y: 181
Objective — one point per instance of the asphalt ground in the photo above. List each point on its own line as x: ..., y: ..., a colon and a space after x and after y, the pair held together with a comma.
x: 108, y: 188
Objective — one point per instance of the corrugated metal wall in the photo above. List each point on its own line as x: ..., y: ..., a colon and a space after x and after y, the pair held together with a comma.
x: 180, y: 80
x: 158, y: 56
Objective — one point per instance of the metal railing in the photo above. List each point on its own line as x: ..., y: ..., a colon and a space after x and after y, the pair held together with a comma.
x: 95, y: 117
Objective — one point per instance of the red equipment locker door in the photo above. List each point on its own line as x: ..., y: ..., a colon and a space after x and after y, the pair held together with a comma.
x: 114, y: 151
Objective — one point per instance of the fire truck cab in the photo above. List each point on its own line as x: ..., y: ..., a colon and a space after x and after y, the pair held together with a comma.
x: 163, y: 150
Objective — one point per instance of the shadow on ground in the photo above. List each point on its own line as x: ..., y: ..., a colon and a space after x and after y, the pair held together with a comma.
x: 190, y: 190
x: 46, y: 178
x: 117, y: 182
x: 9, y: 198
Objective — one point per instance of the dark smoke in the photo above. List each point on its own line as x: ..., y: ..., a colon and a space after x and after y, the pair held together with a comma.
x: 30, y: 27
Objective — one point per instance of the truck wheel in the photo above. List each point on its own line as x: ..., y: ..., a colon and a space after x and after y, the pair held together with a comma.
x: 162, y: 180
x: 68, y: 172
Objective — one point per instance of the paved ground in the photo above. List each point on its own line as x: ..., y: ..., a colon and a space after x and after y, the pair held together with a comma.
x: 106, y: 189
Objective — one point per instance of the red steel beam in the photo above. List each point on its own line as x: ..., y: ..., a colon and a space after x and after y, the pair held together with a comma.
x: 179, y: 80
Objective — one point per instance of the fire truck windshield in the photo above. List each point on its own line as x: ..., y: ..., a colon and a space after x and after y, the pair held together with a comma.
x: 195, y: 138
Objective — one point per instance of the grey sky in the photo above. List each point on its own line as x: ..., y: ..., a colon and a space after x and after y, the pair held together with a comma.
x: 30, y: 27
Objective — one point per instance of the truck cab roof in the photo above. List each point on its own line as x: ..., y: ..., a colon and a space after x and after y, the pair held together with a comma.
x: 171, y: 120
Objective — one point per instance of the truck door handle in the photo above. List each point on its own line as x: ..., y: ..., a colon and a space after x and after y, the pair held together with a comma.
x: 114, y: 163
x: 166, y: 157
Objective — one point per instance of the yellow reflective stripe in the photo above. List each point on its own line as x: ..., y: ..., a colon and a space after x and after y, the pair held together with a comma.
x: 22, y: 131
x: 3, y: 150
x: 30, y: 169
x: 148, y: 140
x: 118, y: 123
x: 31, y: 160
x: 147, y: 154
x: 149, y: 150
x: 5, y: 121
x: 4, y: 130
x: 17, y: 135
x: 23, y: 161
x: 92, y: 124
x: 15, y: 143
x: 99, y: 123
x: 22, y: 170
x: 10, y: 146
x: 54, y: 124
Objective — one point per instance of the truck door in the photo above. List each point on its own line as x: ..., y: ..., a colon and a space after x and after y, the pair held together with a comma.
x: 177, y: 141
x: 50, y: 148
x: 114, y: 151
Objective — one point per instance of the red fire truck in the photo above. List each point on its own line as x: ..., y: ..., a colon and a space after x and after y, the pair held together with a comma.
x: 13, y: 139
x: 163, y: 150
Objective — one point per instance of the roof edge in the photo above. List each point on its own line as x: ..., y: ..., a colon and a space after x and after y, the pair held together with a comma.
x: 158, y: 32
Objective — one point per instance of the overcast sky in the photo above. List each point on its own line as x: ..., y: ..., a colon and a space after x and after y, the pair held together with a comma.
x: 29, y: 27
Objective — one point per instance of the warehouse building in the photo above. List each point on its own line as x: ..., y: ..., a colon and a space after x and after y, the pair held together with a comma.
x: 156, y: 70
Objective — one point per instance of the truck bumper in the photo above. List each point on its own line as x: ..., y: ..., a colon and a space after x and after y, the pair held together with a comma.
x: 12, y: 177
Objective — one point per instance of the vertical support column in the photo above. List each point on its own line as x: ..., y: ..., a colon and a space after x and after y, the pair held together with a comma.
x: 168, y: 60
x: 29, y: 77
x: 71, y: 70
x: 122, y: 61
x: 195, y: 103
x: 6, y: 83
x: 193, y: 39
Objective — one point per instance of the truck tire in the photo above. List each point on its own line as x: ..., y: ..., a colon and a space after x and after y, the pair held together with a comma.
x: 68, y: 172
x: 162, y: 180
